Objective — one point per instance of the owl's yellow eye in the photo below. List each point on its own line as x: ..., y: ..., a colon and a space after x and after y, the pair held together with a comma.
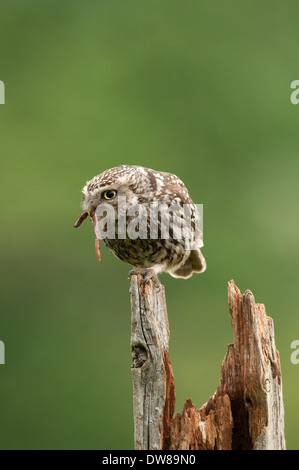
x: 110, y: 194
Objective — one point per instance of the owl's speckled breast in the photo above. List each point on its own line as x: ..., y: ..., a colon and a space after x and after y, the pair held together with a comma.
x: 147, y: 253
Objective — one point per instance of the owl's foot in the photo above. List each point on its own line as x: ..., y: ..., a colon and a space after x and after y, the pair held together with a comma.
x: 148, y: 274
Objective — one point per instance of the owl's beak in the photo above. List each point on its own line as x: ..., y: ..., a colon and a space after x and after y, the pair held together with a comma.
x: 90, y: 209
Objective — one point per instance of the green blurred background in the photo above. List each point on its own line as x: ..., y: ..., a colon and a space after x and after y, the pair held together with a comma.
x: 200, y: 89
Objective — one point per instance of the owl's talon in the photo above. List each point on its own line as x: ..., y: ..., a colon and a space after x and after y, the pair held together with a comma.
x: 133, y: 272
x: 148, y: 275
x: 154, y: 280
x: 157, y: 285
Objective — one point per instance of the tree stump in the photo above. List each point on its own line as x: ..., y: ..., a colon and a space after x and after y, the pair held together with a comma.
x: 246, y: 411
x: 153, y: 381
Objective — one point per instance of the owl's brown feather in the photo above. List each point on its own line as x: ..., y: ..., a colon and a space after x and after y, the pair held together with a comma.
x: 139, y: 185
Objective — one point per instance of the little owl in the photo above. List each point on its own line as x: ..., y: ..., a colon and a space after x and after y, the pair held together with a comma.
x: 134, y: 186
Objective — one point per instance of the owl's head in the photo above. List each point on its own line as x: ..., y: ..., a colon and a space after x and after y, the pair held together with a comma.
x: 112, y: 187
x: 120, y: 186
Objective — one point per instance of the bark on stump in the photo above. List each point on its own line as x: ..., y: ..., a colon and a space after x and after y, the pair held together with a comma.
x: 246, y: 411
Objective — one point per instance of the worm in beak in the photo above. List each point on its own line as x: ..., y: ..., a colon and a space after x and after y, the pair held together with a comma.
x: 98, y: 253
x: 81, y: 219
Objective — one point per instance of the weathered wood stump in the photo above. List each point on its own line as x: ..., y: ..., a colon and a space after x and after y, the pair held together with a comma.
x: 153, y: 381
x: 246, y: 411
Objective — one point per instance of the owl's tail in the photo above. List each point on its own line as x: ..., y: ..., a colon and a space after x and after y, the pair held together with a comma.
x: 194, y: 264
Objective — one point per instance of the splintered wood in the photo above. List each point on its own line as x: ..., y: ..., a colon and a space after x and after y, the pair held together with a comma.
x: 246, y: 411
